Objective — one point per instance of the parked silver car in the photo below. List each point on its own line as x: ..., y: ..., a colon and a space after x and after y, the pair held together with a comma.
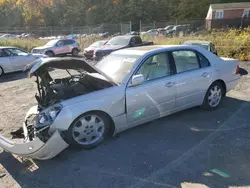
x: 204, y: 44
x: 15, y: 59
x: 58, y: 47
x: 127, y: 88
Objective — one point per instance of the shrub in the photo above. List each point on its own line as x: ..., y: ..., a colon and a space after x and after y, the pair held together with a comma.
x: 232, y: 43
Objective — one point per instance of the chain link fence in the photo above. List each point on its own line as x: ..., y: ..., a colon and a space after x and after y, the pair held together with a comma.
x: 178, y: 28
x: 45, y: 31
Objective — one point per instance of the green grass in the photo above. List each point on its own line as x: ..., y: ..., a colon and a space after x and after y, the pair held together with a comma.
x: 232, y: 43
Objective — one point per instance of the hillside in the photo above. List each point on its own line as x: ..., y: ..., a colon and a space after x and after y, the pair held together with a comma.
x: 14, y: 13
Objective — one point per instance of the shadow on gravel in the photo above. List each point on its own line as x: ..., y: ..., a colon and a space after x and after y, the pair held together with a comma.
x: 13, y: 76
x: 191, y: 147
x: 243, y: 72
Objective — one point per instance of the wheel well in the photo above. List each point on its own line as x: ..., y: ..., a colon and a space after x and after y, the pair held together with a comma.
x: 112, y: 126
x: 2, y: 69
x: 223, y: 85
x: 50, y: 51
x: 75, y: 49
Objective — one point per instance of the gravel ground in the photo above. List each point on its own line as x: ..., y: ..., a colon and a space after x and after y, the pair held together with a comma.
x: 193, y: 148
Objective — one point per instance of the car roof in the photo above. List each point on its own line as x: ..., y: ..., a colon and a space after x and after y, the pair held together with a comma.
x: 125, y: 36
x: 5, y: 47
x: 142, y: 50
x: 196, y: 42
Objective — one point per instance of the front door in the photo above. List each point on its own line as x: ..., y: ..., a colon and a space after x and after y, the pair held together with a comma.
x: 193, y: 78
x: 155, y: 97
x: 18, y: 58
x: 59, y: 49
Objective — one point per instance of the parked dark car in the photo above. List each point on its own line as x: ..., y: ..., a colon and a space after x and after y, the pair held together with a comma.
x: 179, y: 30
x: 204, y: 44
x: 119, y: 42
x: 89, y: 51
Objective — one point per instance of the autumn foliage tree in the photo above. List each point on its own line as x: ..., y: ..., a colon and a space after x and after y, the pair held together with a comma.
x: 16, y: 13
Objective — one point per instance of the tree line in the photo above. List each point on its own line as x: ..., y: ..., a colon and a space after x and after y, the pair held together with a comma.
x: 19, y: 13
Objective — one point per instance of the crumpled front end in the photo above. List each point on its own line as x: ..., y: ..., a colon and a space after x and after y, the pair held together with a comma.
x: 40, y: 145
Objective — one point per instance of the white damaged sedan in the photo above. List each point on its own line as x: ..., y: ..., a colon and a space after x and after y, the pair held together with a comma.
x: 127, y: 88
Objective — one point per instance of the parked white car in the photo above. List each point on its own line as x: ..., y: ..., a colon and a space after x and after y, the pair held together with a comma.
x: 15, y: 59
x: 126, y: 88
x: 150, y: 33
x: 58, y: 47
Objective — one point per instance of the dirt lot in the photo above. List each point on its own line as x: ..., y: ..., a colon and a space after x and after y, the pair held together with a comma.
x: 193, y: 148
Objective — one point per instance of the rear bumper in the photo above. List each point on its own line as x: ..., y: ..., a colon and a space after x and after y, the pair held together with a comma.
x: 88, y: 55
x: 36, y: 148
x: 232, y: 84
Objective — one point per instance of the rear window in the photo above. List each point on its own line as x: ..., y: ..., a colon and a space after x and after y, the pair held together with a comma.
x: 68, y: 42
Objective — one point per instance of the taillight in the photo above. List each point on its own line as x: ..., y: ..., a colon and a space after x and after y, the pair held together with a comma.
x: 237, y: 71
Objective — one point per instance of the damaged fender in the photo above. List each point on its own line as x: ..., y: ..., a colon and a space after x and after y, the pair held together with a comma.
x: 36, y: 148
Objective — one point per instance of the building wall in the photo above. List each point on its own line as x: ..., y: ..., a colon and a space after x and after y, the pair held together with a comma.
x: 228, y: 14
x: 233, y: 13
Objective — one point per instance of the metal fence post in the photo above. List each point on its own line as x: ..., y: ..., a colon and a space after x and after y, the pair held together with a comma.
x: 130, y: 26
x: 140, y: 27
x: 121, y: 28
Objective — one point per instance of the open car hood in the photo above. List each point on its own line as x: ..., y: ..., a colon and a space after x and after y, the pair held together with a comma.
x: 64, y: 63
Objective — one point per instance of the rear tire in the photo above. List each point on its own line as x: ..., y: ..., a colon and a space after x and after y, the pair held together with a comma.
x: 214, y: 96
x: 75, y: 52
x: 88, y: 130
x: 1, y: 71
x: 50, y: 54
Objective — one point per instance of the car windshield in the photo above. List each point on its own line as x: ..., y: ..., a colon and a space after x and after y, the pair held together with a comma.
x: 51, y: 43
x: 119, y: 41
x: 98, y: 44
x: 117, y: 66
x: 169, y: 27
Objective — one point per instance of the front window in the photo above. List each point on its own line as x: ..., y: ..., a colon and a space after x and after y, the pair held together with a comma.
x: 219, y: 14
x: 156, y: 66
x: 119, y: 41
x: 51, y: 43
x: 117, y: 66
x: 16, y: 52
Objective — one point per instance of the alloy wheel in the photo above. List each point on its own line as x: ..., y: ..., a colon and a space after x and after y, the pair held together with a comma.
x: 88, y: 130
x: 215, y: 96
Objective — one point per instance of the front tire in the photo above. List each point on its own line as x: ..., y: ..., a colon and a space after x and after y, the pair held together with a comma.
x: 213, y: 96
x: 89, y: 130
x: 1, y: 71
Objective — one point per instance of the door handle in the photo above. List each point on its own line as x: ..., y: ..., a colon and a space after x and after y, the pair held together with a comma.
x: 170, y: 84
x: 205, y: 75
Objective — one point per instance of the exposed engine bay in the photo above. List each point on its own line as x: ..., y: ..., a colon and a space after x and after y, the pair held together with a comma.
x: 51, y: 91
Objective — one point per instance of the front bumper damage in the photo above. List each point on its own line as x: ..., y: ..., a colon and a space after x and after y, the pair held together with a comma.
x: 36, y: 148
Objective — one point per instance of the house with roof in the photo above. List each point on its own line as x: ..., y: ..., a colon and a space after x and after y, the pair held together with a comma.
x: 228, y: 15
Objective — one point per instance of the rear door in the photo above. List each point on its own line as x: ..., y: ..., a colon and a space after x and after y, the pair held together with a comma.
x: 67, y: 48
x: 193, y: 78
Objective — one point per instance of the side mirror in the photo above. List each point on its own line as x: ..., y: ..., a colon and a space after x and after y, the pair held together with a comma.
x: 137, y: 80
